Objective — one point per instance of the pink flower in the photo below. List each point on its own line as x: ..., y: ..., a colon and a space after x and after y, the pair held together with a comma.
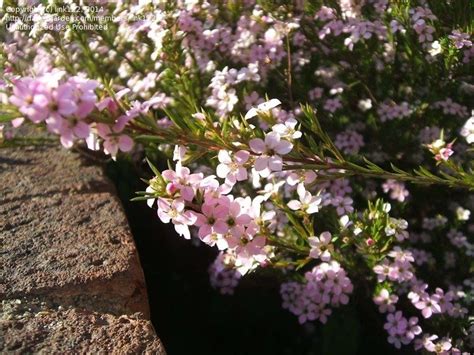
x: 445, y: 300
x: 301, y: 176
x: 424, y: 341
x: 212, y: 190
x: 398, y: 228
x: 264, y: 107
x: 445, y: 153
x: 251, y: 99
x: 248, y: 248
x: 321, y: 313
x: 401, y: 255
x: 270, y: 151
x: 234, y: 215
x: 319, y: 246
x: 400, y: 330
x: 288, y: 129
x: 332, y: 105
x: 396, y: 323
x: 342, y: 204
x: 114, y: 140
x: 210, y: 220
x: 349, y: 141
x: 440, y: 347
x: 441, y: 150
x: 428, y: 305
x: 63, y: 101
x: 315, y: 93
x: 413, y: 329
x: 110, y: 102
x: 307, y: 203
x: 386, y: 301
x: 32, y: 98
x: 231, y: 167
x: 72, y: 128
x: 168, y: 211
x: 417, y: 290
x: 259, y: 216
x: 326, y: 284
x: 397, y: 190
x: 389, y: 110
x: 222, y: 275
x: 460, y: 39
x: 173, y: 211
x: 182, y: 181
x: 252, y: 248
x: 400, y: 271
x: 63, y: 106
x: 395, y: 340
x: 382, y: 270
x: 84, y: 95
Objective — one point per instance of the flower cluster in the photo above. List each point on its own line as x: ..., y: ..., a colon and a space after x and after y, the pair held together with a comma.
x: 401, y: 330
x: 390, y: 111
x: 327, y: 285
x: 398, y: 270
x: 63, y: 104
x: 223, y: 276
x: 349, y: 142
x: 397, y: 190
x: 287, y: 122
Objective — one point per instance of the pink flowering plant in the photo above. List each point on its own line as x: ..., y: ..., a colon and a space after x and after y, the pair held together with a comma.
x: 329, y: 143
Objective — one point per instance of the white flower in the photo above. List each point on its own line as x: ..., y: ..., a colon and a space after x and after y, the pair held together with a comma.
x: 270, y: 151
x: 308, y: 203
x: 151, y: 200
x: 319, y: 246
x: 199, y: 116
x: 227, y: 100
x: 437, y: 144
x: 298, y: 176
x: 232, y: 167
x: 462, y: 213
x: 435, y: 49
x: 92, y: 141
x: 179, y: 152
x: 344, y: 221
x: 364, y: 105
x: 467, y: 130
x: 287, y: 129
x: 272, y: 189
x: 264, y: 107
x: 398, y: 228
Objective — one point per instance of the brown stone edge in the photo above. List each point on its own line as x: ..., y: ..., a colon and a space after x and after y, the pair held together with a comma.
x: 79, y: 315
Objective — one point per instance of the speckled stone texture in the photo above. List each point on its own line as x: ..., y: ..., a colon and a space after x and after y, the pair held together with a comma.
x: 66, y: 246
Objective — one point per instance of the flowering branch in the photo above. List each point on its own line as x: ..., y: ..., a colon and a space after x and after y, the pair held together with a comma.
x: 269, y: 184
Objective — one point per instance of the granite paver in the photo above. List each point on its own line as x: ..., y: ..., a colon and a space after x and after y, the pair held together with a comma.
x: 66, y: 245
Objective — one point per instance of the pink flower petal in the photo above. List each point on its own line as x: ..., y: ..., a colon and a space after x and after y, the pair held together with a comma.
x: 257, y: 145
x: 125, y: 143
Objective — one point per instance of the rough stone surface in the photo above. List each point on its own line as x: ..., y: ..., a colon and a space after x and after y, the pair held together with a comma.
x: 66, y: 245
x: 35, y: 326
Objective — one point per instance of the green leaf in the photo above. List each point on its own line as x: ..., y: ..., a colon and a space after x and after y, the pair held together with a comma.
x: 149, y: 138
x: 7, y: 117
x: 141, y: 198
x: 153, y: 168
